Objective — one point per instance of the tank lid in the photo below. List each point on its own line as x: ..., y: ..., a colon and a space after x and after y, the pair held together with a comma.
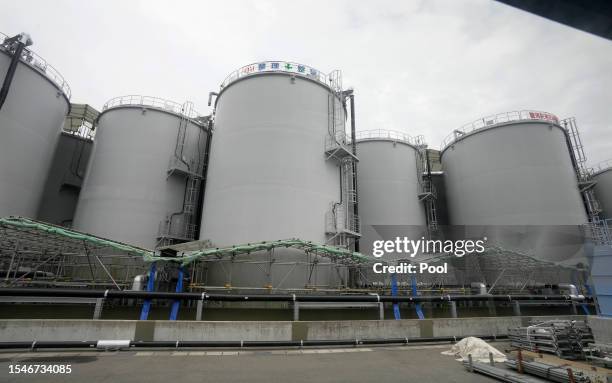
x: 497, y: 119
x: 332, y: 80
x: 602, y: 167
x: 39, y: 64
x: 185, y: 109
x: 389, y: 135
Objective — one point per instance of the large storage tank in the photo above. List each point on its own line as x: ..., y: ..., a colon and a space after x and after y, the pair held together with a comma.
x: 144, y: 173
x: 389, y: 183
x: 68, y: 166
x: 30, y: 123
x: 510, y: 178
x: 603, y: 188
x: 270, y: 177
x: 65, y: 179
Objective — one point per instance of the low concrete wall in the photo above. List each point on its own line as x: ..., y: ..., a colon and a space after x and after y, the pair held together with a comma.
x: 192, y: 330
x: 58, y: 330
x: 602, y: 328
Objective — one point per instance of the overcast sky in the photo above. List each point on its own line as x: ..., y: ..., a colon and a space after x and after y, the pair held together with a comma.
x: 423, y: 67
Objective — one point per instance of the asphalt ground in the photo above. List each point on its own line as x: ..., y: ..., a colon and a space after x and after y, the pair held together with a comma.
x: 422, y: 363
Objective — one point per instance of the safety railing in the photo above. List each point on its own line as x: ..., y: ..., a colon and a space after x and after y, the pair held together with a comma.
x: 85, y: 131
x: 374, y: 134
x: 495, y: 119
x: 277, y: 66
x: 39, y: 64
x: 149, y: 101
x: 598, y: 231
x: 604, y: 165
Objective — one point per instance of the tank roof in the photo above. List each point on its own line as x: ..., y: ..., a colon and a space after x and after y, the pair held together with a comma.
x: 40, y: 65
x: 151, y: 102
x: 263, y: 67
x: 389, y: 135
x: 603, y: 166
x: 497, y: 120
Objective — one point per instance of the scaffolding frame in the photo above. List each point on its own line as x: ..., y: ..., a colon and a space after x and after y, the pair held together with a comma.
x: 38, y: 253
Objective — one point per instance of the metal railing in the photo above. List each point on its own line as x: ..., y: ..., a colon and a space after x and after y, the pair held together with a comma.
x: 488, y: 121
x: 598, y: 231
x: 277, y: 66
x: 394, y: 135
x: 149, y: 101
x: 85, y: 131
x: 39, y: 64
x: 603, y: 165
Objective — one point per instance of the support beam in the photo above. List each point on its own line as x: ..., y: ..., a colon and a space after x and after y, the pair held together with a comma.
x: 107, y: 272
x: 199, y: 310
x: 98, y: 309
x: 453, y: 308
x: 296, y: 311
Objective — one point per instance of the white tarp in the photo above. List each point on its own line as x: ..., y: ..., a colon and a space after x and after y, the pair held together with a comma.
x: 477, y: 347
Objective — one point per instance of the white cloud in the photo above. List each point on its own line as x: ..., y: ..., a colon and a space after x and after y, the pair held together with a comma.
x: 424, y: 67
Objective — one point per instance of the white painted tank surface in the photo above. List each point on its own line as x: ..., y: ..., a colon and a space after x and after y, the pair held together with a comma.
x: 510, y: 178
x: 269, y: 177
x: 603, y: 188
x: 30, y: 124
x: 65, y: 178
x: 135, y: 177
x: 389, y: 186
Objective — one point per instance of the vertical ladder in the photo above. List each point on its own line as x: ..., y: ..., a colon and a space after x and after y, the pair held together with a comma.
x: 341, y: 219
x: 427, y: 191
x: 186, y: 110
x: 576, y: 144
x: 184, y: 229
x: 584, y: 175
x: 598, y: 228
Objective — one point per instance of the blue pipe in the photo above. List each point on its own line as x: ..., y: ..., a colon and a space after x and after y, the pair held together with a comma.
x: 419, y: 309
x: 396, y: 310
x: 146, y: 307
x: 179, y: 289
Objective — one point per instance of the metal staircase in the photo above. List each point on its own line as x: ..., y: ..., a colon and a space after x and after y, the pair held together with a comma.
x: 586, y: 182
x: 342, y: 224
x: 181, y: 226
x: 427, y: 190
x: 597, y: 229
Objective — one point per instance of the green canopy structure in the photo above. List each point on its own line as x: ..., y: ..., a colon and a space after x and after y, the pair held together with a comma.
x: 43, y: 247
x: 32, y: 234
x: 336, y: 254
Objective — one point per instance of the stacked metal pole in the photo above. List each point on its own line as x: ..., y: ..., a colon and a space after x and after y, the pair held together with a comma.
x: 564, y: 338
x: 553, y: 373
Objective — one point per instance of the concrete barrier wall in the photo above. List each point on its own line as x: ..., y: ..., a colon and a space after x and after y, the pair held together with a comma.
x: 602, y: 328
x: 61, y: 330
x: 192, y: 330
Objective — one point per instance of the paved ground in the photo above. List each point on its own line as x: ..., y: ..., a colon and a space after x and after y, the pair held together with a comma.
x: 375, y: 364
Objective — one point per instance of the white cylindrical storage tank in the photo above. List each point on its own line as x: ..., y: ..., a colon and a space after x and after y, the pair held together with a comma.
x: 135, y: 178
x: 510, y: 177
x: 603, y: 188
x: 388, y: 187
x: 30, y: 123
x: 268, y: 176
